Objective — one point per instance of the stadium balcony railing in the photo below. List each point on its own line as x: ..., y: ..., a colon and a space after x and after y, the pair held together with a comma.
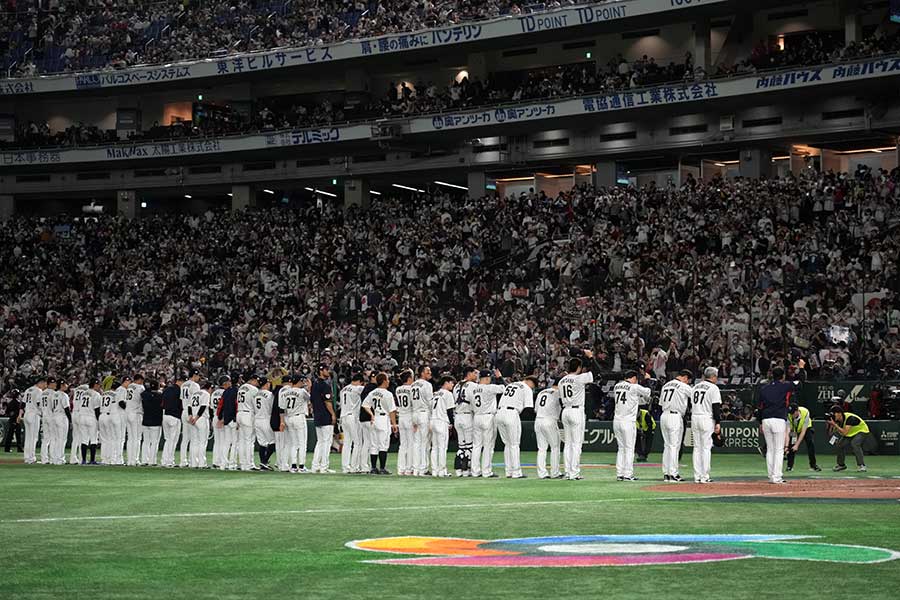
x: 435, y: 114
x: 12, y: 85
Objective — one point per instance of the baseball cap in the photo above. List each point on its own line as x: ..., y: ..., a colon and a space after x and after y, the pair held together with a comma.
x: 224, y: 379
x: 322, y: 367
x: 686, y: 373
x: 50, y: 380
x: 484, y: 373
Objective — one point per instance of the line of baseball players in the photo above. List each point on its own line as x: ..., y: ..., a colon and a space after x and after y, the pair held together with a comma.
x: 132, y: 418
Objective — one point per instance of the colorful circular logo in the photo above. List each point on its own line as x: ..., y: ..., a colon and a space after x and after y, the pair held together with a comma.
x: 613, y: 550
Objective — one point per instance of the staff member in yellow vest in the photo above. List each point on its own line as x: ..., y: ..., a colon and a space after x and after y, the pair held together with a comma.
x: 646, y: 427
x: 853, y: 432
x: 801, y: 431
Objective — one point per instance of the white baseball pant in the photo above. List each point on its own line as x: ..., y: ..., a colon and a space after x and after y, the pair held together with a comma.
x: 58, y: 441
x: 774, y: 431
x: 702, y: 430
x: 32, y: 430
x: 440, y: 440
x: 420, y: 443
x: 672, y: 426
x: 77, y: 436
x: 626, y: 432
x: 150, y: 444
x: 352, y: 444
x: 245, y: 441
x: 484, y: 438
x: 406, y: 458
x: 134, y: 429
x: 88, y: 428
x: 322, y: 453
x: 229, y: 446
x: 200, y: 437
x: 573, y: 436
x: 171, y: 430
x: 46, y: 437
x: 547, y: 433
x: 107, y: 439
x: 186, y: 438
x: 509, y: 426
x: 282, y: 442
x: 297, y: 429
x: 381, y: 435
x: 218, y: 443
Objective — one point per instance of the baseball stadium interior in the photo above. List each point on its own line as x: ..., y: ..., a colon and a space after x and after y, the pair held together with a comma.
x: 286, y: 282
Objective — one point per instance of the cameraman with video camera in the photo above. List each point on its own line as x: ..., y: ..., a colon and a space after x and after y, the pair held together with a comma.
x: 853, y: 432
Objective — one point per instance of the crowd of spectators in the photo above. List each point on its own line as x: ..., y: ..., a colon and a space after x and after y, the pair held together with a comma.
x: 742, y: 274
x: 72, y: 35
x: 426, y: 97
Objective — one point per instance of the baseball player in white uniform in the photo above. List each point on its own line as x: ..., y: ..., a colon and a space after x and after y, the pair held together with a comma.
x: 483, y: 398
x: 60, y: 413
x: 547, y: 410
x: 571, y: 394
x: 262, y: 423
x: 673, y: 400
x: 383, y: 411
x: 119, y: 414
x: 422, y: 393
x: 32, y: 400
x: 171, y: 425
x: 190, y: 387
x: 246, y: 399
x: 706, y: 406
x: 442, y: 404
x: 293, y: 400
x: 218, y: 432
x: 299, y: 426
x: 199, y: 419
x: 87, y: 407
x: 47, y: 420
x: 109, y: 437
x: 628, y: 395
x: 516, y: 397
x: 351, y: 402
x: 134, y: 416
x: 405, y: 456
x: 463, y: 422
x: 75, y: 450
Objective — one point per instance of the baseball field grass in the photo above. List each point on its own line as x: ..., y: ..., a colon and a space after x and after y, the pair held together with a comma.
x: 120, y: 532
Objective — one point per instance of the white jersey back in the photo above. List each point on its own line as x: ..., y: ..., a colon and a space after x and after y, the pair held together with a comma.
x: 199, y: 400
x: 404, y: 394
x: 628, y: 396
x: 133, y: 398
x: 289, y: 402
x: 517, y: 396
x: 441, y: 402
x: 351, y: 399
x: 548, y: 405
x: 107, y: 402
x: 675, y: 396
x: 381, y: 401
x: 87, y: 401
x: 121, y: 396
x: 484, y: 397
x: 188, y: 389
x: 463, y: 405
x: 245, y: 396
x: 215, y: 399
x: 703, y: 396
x: 571, y: 389
x: 263, y: 405
x: 46, y: 398
x: 32, y: 400
x: 422, y: 393
x: 59, y: 403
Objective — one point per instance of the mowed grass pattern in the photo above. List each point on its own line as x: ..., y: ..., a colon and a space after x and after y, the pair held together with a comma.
x: 209, y: 534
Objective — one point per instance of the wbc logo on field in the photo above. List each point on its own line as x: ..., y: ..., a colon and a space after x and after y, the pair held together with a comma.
x: 613, y: 550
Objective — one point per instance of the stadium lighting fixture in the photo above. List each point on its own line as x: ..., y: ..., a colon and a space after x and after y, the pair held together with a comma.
x: 406, y: 187
x: 269, y: 191
x: 508, y: 179
x: 774, y: 158
x: 865, y: 150
x: 143, y: 205
x: 374, y: 193
x: 188, y: 196
x: 230, y: 195
x: 719, y: 164
x: 451, y: 185
x: 318, y: 191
